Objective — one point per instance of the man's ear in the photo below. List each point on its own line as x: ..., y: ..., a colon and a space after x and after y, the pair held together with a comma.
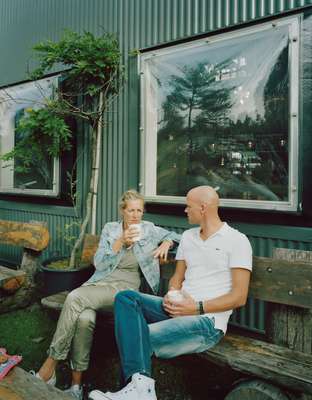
x: 203, y: 208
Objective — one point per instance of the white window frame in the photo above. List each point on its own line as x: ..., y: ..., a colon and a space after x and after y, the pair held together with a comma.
x: 148, y: 137
x: 7, y: 173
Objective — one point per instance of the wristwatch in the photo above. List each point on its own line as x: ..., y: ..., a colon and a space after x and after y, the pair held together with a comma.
x: 200, y: 308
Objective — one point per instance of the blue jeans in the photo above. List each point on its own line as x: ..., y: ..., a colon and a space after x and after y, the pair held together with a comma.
x: 143, y: 328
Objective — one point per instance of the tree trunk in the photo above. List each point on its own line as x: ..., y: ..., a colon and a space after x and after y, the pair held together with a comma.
x: 27, y: 293
x: 96, y: 132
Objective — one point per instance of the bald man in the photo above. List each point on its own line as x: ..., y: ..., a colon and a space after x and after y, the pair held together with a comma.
x: 214, y: 263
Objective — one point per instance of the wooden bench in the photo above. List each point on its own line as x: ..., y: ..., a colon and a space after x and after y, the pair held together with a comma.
x: 20, y: 385
x: 17, y: 287
x: 276, y: 371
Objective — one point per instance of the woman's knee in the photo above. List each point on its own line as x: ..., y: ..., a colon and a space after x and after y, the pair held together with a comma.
x: 86, y: 319
x: 75, y: 297
x: 72, y: 296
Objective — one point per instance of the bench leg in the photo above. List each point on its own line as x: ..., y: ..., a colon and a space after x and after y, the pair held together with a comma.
x: 256, y: 389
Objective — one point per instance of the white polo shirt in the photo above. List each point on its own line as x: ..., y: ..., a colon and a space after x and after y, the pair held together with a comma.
x: 209, y: 263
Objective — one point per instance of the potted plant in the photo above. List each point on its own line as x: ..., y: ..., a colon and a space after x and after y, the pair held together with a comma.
x: 91, y: 79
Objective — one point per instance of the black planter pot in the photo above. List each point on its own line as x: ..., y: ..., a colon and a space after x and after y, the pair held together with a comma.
x: 58, y: 280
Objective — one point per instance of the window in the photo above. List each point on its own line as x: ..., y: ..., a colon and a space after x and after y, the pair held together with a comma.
x: 43, y: 177
x: 223, y: 111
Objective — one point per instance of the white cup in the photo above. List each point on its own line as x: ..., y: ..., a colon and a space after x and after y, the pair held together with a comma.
x: 175, y: 295
x: 137, y: 229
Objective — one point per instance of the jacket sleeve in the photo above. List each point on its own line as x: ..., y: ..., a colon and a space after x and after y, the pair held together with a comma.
x: 163, y: 234
x: 105, y: 255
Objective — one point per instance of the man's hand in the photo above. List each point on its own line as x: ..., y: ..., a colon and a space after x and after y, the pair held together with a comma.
x: 162, y: 250
x: 188, y: 306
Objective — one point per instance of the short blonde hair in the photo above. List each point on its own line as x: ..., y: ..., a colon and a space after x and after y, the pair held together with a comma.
x: 129, y: 195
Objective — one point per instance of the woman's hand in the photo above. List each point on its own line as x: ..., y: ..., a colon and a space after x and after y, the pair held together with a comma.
x: 188, y: 306
x: 128, y: 236
x: 162, y: 250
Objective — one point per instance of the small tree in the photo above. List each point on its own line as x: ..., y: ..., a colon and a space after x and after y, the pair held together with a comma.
x: 92, y: 78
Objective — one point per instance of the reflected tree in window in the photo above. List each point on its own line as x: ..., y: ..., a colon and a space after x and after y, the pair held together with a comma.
x: 223, y: 117
x: 194, y: 105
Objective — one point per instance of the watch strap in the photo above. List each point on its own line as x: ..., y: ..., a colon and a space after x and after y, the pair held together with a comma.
x: 201, y: 307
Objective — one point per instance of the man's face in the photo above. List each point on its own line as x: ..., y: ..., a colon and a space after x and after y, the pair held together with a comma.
x: 193, y: 210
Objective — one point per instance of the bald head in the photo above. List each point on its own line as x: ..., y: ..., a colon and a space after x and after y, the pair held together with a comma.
x: 204, y: 195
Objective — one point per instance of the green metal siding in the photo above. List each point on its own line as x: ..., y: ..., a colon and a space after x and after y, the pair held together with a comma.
x: 139, y: 24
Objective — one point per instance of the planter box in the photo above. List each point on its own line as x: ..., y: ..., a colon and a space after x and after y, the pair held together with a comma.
x: 58, y: 280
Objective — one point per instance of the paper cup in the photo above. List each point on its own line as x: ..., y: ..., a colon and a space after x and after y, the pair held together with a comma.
x: 175, y: 295
x: 137, y: 229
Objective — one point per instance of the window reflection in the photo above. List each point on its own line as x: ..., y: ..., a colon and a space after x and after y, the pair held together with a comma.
x: 42, y: 175
x: 222, y: 115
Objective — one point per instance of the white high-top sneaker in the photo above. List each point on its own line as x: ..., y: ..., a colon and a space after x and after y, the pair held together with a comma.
x: 141, y: 387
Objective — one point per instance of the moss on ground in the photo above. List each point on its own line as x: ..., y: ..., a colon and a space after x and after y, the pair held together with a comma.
x: 28, y: 332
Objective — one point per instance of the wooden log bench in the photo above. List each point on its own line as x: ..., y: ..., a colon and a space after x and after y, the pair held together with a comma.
x: 17, y: 287
x: 276, y: 371
x: 20, y: 385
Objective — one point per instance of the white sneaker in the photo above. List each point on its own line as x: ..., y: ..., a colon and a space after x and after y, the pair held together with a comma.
x: 75, y: 391
x: 51, y: 381
x: 141, y: 387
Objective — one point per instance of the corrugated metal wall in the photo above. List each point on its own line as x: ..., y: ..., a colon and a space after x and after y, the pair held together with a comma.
x: 55, y: 222
x: 139, y: 24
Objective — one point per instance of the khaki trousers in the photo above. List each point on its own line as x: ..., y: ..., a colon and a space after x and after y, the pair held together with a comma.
x: 75, y: 327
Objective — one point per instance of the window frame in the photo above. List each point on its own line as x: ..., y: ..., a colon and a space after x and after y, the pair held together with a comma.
x: 54, y: 192
x: 148, y: 148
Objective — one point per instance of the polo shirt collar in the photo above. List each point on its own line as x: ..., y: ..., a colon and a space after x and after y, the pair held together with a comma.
x: 220, y: 232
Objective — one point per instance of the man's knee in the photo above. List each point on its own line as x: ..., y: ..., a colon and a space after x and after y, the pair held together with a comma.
x: 86, y: 319
x: 126, y: 296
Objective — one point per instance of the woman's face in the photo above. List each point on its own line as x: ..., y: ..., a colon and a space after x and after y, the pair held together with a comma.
x: 133, y: 212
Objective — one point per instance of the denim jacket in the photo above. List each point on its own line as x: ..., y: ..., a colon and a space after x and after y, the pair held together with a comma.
x: 106, y: 260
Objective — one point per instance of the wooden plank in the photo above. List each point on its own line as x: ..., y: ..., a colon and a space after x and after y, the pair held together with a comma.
x: 20, y: 385
x: 290, y: 369
x: 10, y: 279
x: 282, y: 282
x: 29, y: 235
x: 292, y: 255
x: 288, y: 325
x: 55, y: 301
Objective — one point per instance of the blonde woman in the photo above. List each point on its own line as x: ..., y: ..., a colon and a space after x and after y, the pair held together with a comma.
x: 123, y: 256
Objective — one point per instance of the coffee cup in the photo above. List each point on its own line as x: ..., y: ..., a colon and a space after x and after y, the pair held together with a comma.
x: 175, y: 295
x: 137, y: 229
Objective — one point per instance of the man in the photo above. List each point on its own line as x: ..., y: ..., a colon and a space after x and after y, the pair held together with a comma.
x: 214, y: 262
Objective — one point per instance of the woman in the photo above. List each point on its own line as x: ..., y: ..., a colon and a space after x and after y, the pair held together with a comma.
x: 120, y: 259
